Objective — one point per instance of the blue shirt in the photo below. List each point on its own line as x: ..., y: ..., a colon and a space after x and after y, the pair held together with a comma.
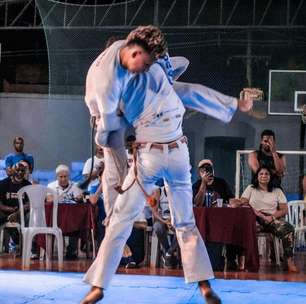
x: 14, y: 158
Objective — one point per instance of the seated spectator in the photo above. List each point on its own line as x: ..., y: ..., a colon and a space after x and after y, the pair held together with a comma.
x: 270, y: 205
x: 134, y: 251
x: 208, y: 188
x: 15, y: 157
x: 98, y: 166
x: 9, y: 204
x: 68, y: 192
x: 267, y: 156
x: 96, y: 198
x: 162, y: 226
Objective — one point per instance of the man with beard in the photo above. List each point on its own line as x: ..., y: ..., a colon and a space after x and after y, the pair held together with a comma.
x: 9, y: 204
x: 15, y: 157
x: 267, y: 156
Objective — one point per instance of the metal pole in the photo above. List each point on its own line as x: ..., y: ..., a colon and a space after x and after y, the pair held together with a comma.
x: 156, y: 8
x: 249, y: 60
x: 237, y: 177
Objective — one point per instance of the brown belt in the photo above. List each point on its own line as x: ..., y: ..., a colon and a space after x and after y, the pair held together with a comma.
x: 171, y: 145
x: 151, y: 200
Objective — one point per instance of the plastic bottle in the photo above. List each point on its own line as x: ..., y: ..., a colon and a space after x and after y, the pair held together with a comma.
x: 208, y: 199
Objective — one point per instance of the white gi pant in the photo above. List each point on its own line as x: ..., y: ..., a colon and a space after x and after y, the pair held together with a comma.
x: 174, y: 166
x: 115, y: 171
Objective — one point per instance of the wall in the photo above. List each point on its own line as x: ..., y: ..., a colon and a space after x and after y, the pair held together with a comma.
x: 56, y: 130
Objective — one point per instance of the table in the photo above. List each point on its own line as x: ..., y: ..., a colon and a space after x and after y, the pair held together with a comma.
x: 72, y: 218
x: 236, y: 226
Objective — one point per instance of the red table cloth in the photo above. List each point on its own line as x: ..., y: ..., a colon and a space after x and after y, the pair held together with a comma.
x: 235, y: 226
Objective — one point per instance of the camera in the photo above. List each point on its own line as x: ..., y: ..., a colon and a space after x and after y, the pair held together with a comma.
x: 208, y: 169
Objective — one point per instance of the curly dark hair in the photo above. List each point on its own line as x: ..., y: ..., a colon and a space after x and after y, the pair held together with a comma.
x: 255, y: 183
x: 150, y: 38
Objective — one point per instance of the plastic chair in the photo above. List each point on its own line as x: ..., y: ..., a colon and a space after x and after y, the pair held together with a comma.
x: 156, y: 252
x: 292, y: 196
x: 37, y: 223
x: 264, y: 246
x: 296, y: 215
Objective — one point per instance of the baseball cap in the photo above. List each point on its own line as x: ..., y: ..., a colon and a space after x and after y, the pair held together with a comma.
x: 204, y: 161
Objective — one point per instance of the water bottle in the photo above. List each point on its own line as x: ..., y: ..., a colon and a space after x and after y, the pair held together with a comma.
x: 208, y: 199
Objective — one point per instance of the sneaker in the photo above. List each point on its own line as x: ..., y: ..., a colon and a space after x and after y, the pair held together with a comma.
x: 12, y: 247
x: 34, y: 256
x: 131, y: 265
x: 167, y: 260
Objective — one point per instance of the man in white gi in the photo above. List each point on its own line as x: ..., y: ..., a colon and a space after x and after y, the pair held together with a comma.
x: 124, y: 80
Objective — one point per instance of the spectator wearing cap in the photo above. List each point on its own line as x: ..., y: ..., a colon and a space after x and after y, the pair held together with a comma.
x: 206, y: 190
x: 17, y: 156
x: 164, y: 229
x: 9, y: 204
x: 68, y: 192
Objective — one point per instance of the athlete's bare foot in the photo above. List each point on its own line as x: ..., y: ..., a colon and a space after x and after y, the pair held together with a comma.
x: 210, y: 296
x: 94, y: 295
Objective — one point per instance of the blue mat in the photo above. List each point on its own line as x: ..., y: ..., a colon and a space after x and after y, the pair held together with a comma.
x: 17, y: 287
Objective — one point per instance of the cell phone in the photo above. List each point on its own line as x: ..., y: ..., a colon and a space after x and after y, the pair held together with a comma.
x: 208, y: 169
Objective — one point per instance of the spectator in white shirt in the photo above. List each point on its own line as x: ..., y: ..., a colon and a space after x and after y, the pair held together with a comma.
x: 98, y: 166
x: 68, y: 192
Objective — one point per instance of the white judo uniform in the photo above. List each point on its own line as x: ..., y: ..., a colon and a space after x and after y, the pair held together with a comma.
x: 154, y: 104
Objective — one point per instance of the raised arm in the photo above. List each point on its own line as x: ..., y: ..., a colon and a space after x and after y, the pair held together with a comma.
x: 205, y: 100
x: 253, y: 162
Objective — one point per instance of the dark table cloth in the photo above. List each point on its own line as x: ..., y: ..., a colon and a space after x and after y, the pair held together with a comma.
x: 235, y: 226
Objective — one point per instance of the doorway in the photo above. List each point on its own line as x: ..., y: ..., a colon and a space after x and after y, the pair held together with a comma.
x: 222, y: 151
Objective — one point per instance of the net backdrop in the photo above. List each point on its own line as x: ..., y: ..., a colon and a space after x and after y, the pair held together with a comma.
x: 218, y: 56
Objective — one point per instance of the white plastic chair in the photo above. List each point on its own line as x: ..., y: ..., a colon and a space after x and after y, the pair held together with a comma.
x: 37, y: 223
x: 264, y: 246
x: 296, y: 214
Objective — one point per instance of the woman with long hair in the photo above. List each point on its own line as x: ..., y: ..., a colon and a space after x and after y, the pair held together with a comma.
x: 270, y: 205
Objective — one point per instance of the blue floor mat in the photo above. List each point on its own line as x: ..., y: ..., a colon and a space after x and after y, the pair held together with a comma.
x: 33, y: 287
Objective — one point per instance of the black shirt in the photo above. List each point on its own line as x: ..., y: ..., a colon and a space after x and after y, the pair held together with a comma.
x: 219, y: 189
x: 8, y: 191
